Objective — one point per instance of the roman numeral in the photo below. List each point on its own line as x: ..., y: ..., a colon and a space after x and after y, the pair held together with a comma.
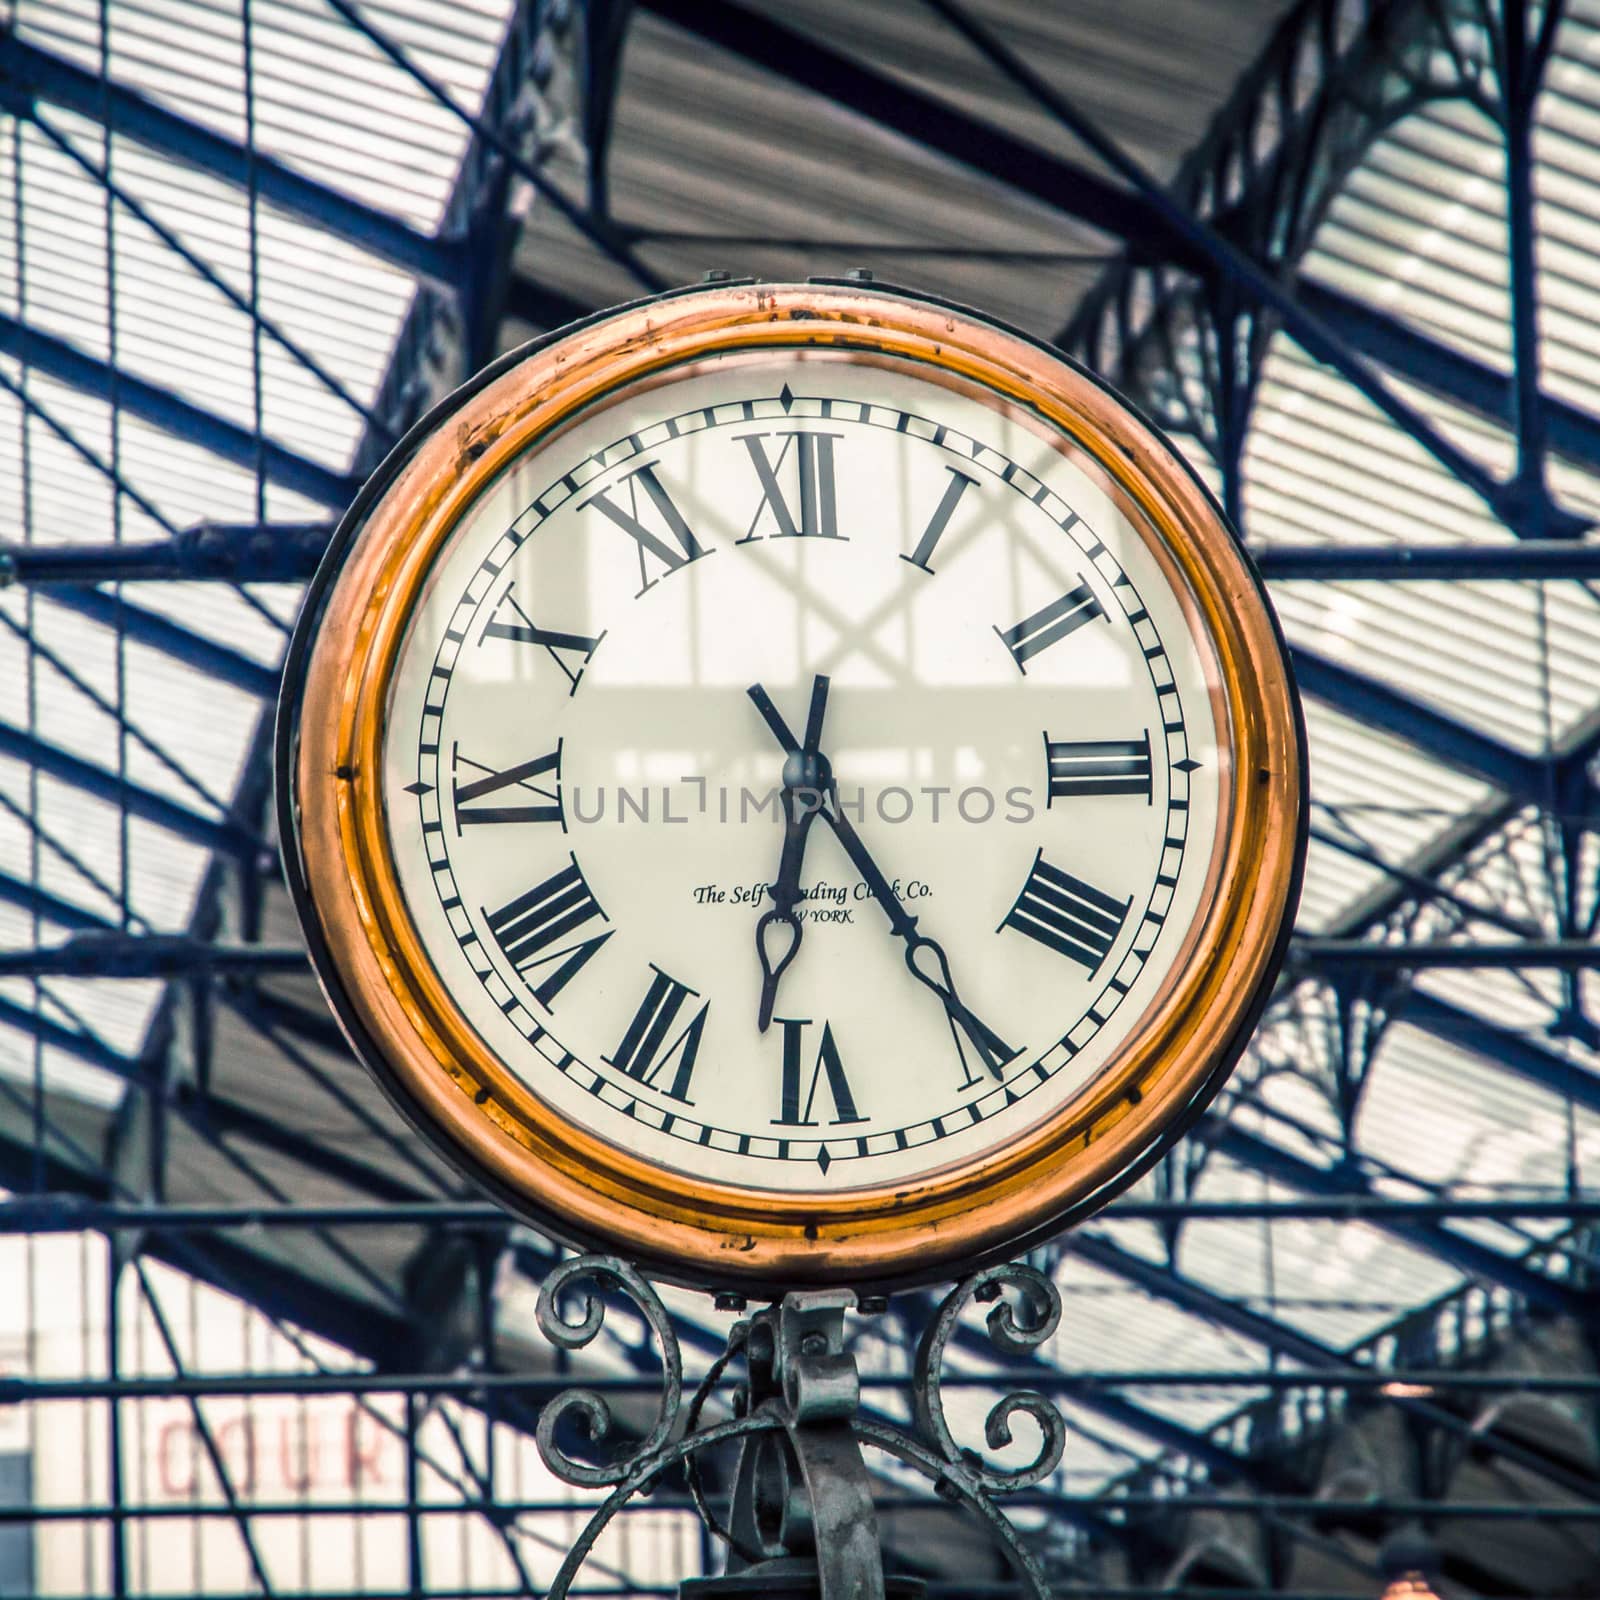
x: 1067, y: 915
x: 1099, y: 766
x: 629, y: 520
x: 931, y: 535
x: 647, y: 1048
x: 827, y: 1068
x: 510, y: 621
x: 992, y: 1050
x: 818, y: 511
x: 1045, y: 628
x: 527, y: 927
x: 547, y: 808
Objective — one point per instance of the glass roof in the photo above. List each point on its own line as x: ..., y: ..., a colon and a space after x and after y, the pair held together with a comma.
x: 122, y: 748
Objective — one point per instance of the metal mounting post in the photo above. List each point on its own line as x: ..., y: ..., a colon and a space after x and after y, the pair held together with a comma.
x: 802, y: 1501
x: 801, y: 1522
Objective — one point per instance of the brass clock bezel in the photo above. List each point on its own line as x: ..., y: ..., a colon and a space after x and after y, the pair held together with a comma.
x: 405, y: 1025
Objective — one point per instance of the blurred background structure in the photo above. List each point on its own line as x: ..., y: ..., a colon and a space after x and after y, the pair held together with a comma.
x: 252, y: 1338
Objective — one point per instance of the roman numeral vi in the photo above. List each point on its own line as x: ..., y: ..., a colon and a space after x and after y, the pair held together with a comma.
x: 828, y: 1068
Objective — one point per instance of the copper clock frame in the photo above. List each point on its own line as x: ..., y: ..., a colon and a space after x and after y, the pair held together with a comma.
x: 577, y: 1185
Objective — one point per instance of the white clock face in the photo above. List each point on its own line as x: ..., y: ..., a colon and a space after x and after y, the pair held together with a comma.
x: 1003, y: 765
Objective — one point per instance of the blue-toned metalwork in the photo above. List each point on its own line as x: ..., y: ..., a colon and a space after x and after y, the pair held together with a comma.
x: 1449, y: 373
x: 1477, y: 1261
x: 133, y: 798
x: 172, y: 413
x: 28, y: 73
x: 1468, y: 938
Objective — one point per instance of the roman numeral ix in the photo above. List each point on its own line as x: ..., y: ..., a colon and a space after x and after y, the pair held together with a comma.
x: 546, y: 807
x: 1098, y: 766
x: 1067, y: 915
x: 528, y: 927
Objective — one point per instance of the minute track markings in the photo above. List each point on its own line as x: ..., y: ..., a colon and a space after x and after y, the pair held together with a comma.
x: 486, y: 586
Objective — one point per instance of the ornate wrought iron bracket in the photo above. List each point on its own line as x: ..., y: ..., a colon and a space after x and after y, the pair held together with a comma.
x: 801, y: 1516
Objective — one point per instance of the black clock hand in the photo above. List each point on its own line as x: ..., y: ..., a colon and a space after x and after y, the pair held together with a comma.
x: 994, y: 1051
x: 806, y: 784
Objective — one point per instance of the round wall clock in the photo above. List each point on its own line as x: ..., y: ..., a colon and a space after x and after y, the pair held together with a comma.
x: 794, y: 783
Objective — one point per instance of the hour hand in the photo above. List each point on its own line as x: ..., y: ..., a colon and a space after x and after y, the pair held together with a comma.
x: 806, y: 783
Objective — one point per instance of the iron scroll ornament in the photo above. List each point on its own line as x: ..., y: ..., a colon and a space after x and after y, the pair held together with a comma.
x: 802, y: 1497
x: 490, y: 1116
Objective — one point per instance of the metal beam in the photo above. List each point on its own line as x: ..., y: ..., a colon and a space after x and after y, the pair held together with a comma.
x: 1105, y: 1254
x: 1465, y: 1255
x: 54, y: 1215
x: 276, y: 552
x: 280, y: 1291
x: 598, y: 232
x: 1473, y: 385
x: 216, y: 1119
x: 49, y: 907
x: 289, y: 551
x: 1454, y: 743
x: 170, y: 412
x: 1261, y: 283
x: 1299, y: 1347
x: 226, y: 837
x: 546, y: 309
x: 1495, y: 1042
x: 113, y: 954
x: 28, y: 73
x: 58, y: 1036
x: 1547, y: 560
x: 810, y: 62
x: 1312, y: 955
x: 159, y: 633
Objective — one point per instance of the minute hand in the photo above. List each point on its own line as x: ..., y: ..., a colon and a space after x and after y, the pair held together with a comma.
x: 989, y: 1045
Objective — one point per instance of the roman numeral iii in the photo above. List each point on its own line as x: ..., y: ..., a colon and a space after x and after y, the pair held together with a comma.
x: 1098, y: 766
x: 816, y: 516
x: 649, y: 1046
x: 1067, y: 915
x: 526, y: 929
x: 1050, y: 624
